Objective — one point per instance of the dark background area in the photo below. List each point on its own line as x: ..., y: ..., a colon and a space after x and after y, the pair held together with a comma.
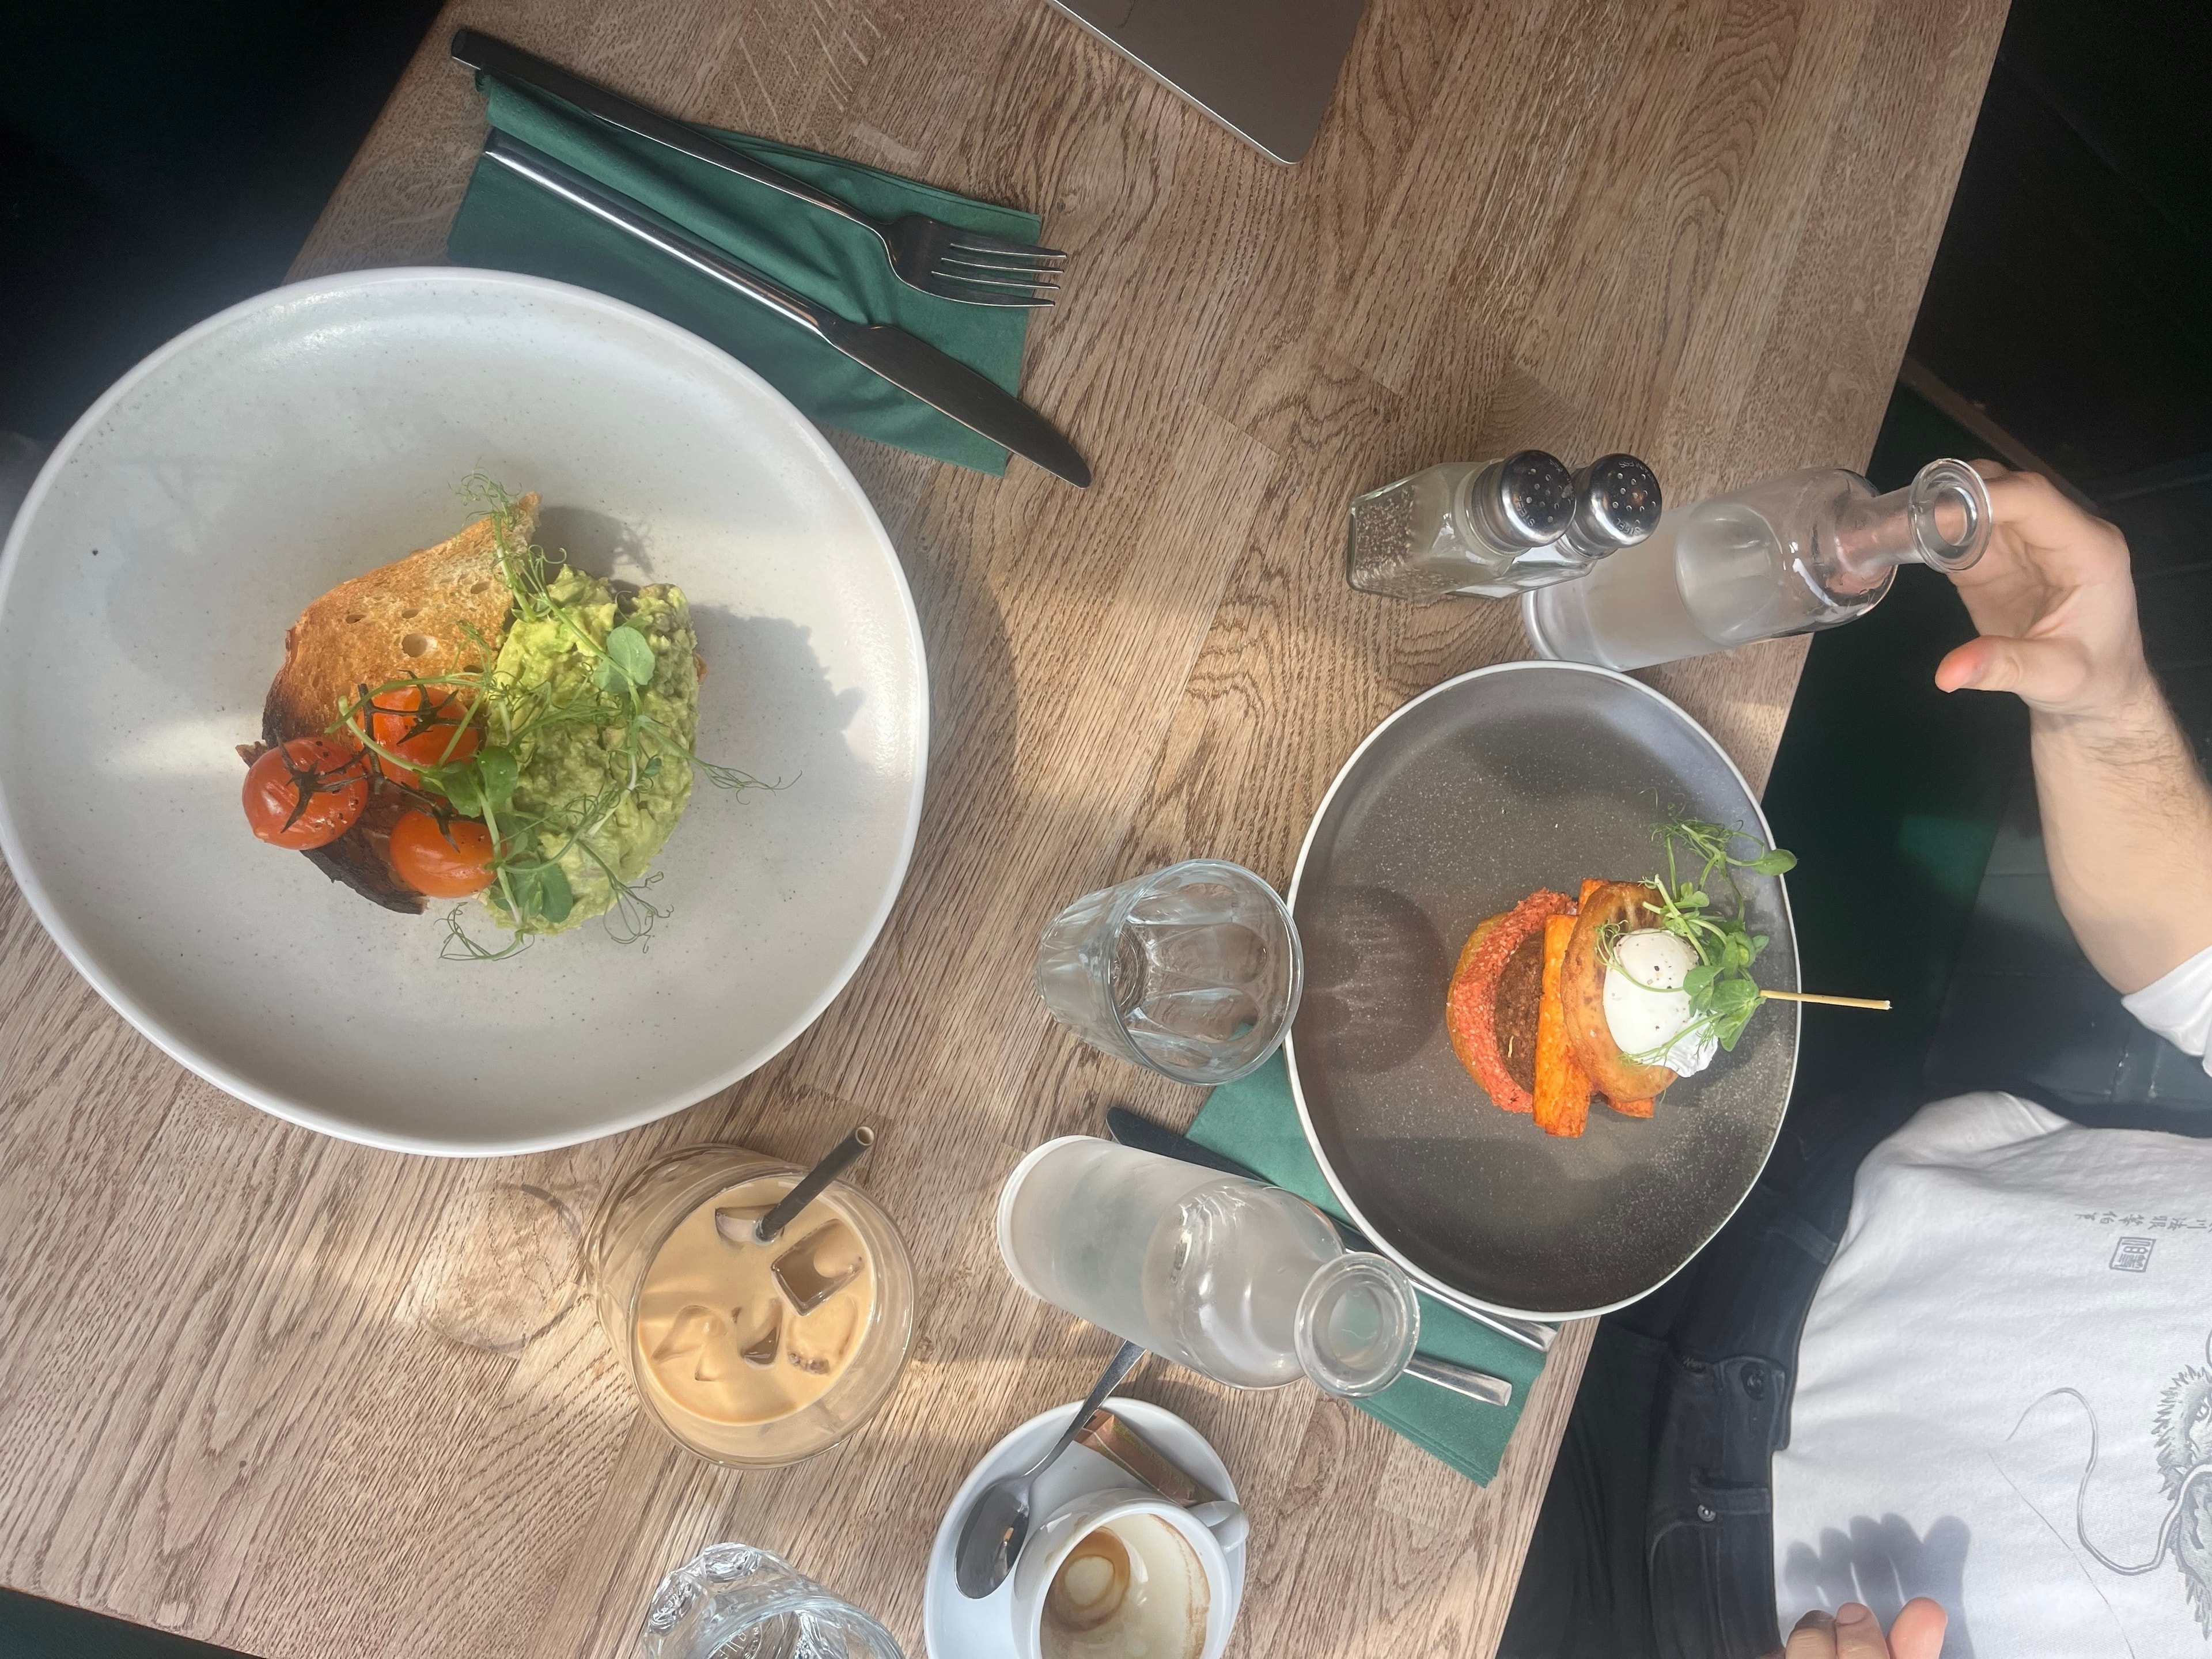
x: 160, y: 161
x: 2069, y: 293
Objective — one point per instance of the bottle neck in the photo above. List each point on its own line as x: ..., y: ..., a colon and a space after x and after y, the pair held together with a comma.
x: 1940, y: 518
x: 1358, y: 1324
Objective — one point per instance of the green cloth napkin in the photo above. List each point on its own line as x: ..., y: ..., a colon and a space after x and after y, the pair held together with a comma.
x: 508, y: 223
x: 1254, y: 1121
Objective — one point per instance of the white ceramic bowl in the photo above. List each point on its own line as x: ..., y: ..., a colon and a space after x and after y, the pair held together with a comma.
x: 321, y: 429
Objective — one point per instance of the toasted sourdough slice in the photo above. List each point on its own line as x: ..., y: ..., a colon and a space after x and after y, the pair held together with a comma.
x: 439, y: 610
x: 1624, y: 1082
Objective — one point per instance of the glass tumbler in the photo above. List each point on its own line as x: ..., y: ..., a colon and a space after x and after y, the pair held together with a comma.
x: 738, y: 1602
x: 1193, y: 970
x: 638, y: 1223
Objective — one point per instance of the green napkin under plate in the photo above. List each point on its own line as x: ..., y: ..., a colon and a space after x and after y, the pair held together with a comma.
x: 1254, y: 1121
x: 509, y: 224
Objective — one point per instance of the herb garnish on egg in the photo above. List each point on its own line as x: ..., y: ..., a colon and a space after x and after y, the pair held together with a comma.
x: 1719, y: 990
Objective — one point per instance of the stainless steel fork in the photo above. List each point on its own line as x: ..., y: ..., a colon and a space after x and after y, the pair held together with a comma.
x: 966, y: 265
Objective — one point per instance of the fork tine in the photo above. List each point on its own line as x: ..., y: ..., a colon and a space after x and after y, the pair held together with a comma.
x: 968, y: 270
x: 995, y: 262
x: 945, y: 281
x: 996, y: 275
x: 975, y: 296
x: 986, y: 243
x: 975, y: 256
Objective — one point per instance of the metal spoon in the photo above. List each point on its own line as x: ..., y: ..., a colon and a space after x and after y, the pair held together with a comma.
x: 998, y: 1522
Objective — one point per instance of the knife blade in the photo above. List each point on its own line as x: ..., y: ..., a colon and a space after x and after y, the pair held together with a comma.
x: 914, y: 366
x: 1135, y: 1129
x: 478, y: 50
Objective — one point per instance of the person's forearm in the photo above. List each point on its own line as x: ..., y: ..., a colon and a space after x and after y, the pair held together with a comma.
x: 2127, y: 827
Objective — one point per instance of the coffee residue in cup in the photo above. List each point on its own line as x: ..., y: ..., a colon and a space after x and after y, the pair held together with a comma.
x: 1133, y: 1589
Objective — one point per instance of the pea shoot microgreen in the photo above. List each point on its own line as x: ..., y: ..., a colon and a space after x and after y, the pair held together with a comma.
x: 1722, y: 995
x: 541, y: 848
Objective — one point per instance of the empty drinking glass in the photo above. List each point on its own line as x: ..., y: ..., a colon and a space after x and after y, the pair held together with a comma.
x: 735, y: 1602
x: 1193, y: 970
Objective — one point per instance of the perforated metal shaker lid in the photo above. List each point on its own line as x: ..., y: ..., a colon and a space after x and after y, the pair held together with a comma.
x: 1525, y: 499
x: 1616, y: 503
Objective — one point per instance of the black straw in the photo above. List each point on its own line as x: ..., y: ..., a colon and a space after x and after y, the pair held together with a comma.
x: 842, y: 1154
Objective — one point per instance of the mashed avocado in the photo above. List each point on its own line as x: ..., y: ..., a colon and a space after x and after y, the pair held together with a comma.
x: 608, y: 791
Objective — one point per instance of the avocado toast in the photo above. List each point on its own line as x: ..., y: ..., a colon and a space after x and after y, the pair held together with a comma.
x: 474, y: 719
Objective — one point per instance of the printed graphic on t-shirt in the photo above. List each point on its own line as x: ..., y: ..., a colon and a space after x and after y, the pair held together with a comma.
x: 2181, y: 1439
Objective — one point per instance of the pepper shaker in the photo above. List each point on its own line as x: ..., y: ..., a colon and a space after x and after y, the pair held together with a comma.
x: 1497, y: 528
x: 1616, y: 505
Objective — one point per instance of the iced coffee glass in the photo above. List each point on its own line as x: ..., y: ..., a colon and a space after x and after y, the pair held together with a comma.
x: 748, y: 1353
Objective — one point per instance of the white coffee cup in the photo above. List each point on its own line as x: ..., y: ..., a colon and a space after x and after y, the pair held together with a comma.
x: 1170, y: 1555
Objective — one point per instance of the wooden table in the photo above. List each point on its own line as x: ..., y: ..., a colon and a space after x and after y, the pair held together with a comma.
x: 303, y: 1398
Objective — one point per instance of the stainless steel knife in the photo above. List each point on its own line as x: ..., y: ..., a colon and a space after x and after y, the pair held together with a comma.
x: 1133, y: 1129
x: 914, y: 366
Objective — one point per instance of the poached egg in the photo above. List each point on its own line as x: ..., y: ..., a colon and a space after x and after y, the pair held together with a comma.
x: 1646, y: 1009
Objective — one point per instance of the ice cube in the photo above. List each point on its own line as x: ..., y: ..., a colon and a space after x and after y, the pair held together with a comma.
x: 821, y: 1343
x: 761, y: 1351
x: 692, y: 1331
x: 820, y: 1264
x: 735, y: 1222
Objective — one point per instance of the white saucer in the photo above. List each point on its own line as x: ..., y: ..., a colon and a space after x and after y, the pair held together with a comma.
x: 954, y: 1628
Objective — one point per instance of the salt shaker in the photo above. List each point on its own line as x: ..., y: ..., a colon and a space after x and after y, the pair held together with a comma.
x: 1616, y: 505
x: 1497, y: 528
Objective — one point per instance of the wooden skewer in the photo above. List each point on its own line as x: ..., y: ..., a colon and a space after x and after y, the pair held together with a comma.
x: 1832, y: 1002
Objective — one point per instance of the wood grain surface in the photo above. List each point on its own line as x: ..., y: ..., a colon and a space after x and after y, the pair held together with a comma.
x: 306, y: 1398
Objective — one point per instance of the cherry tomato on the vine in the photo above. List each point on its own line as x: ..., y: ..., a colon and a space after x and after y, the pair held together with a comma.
x: 306, y: 793
x: 447, y: 861
x: 426, y: 725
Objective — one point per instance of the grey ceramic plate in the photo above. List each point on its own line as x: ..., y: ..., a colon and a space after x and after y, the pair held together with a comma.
x: 1473, y: 795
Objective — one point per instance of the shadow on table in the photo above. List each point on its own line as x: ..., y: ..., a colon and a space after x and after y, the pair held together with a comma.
x: 32, y: 1627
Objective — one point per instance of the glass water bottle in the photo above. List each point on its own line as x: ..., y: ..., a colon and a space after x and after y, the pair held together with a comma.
x: 1497, y: 528
x: 1807, y: 551
x: 1243, y: 1283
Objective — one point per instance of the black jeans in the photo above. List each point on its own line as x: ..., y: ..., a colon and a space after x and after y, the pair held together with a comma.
x: 1656, y: 1539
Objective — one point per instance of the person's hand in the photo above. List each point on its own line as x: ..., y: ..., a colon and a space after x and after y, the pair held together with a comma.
x: 2054, y: 602
x: 1854, y: 1633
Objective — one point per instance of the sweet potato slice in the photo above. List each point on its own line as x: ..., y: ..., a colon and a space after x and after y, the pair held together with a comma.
x: 1632, y: 1108
x: 1582, y: 994
x: 1563, y: 1089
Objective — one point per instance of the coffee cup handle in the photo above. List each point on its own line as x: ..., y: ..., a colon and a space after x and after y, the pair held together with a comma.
x: 1225, y: 1520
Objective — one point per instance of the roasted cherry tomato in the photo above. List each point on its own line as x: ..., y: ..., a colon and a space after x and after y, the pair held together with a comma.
x: 451, y: 861
x: 428, y: 725
x: 305, y: 793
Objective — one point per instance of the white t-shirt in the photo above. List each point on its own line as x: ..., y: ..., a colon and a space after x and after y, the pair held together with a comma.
x: 2009, y: 1285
